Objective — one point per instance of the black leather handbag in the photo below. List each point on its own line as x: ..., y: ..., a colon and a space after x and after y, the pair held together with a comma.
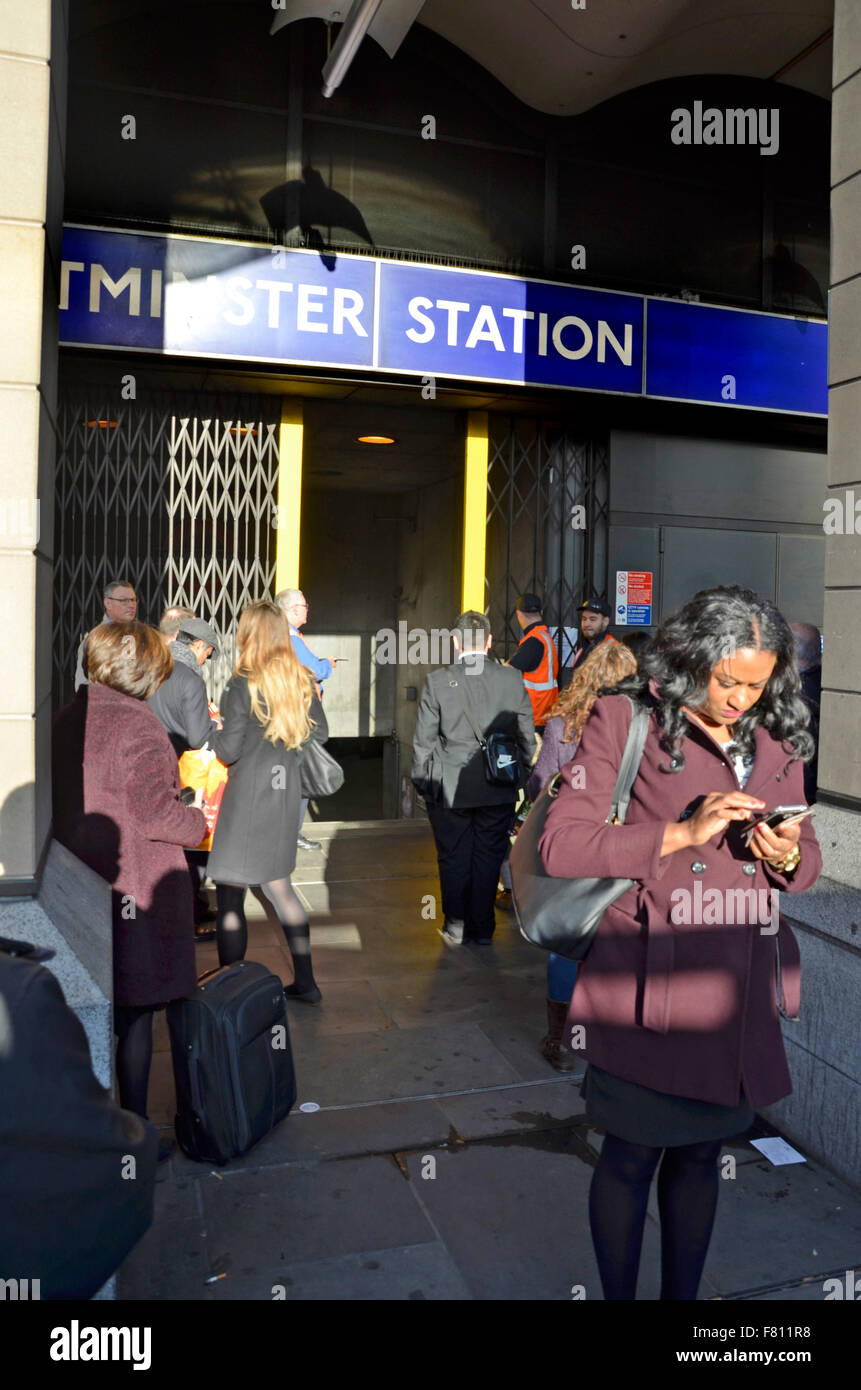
x: 500, y: 752
x: 563, y: 914
x: 319, y: 773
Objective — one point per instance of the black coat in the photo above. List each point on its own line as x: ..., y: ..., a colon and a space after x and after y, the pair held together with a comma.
x: 70, y: 1209
x: 255, y: 835
x: 448, y: 764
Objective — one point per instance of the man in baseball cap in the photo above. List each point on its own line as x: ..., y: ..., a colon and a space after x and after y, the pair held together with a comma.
x: 536, y: 658
x: 594, y: 621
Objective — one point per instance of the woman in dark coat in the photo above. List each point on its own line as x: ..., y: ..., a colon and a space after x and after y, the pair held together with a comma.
x: 676, y: 1007
x: 269, y: 709
x: 117, y: 807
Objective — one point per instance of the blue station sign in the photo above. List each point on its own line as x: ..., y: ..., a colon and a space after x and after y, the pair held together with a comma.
x: 185, y: 296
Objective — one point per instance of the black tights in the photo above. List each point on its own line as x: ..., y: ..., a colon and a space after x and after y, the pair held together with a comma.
x: 133, y: 1027
x: 232, y: 930
x: 687, y: 1198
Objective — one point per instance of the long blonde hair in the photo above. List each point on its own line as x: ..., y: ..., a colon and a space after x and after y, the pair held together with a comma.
x: 607, y: 664
x: 280, y: 687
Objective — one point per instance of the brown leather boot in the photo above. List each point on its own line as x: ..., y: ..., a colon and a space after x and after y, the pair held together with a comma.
x: 551, y: 1044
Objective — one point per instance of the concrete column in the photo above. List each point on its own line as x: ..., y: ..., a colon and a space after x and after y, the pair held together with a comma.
x: 824, y: 1112
x: 32, y: 151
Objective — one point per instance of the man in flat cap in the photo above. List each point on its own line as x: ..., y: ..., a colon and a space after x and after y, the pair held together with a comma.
x: 181, y: 703
x: 536, y: 658
x: 182, y: 706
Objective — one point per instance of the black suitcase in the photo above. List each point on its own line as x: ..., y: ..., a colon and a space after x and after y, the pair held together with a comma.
x: 232, y: 1061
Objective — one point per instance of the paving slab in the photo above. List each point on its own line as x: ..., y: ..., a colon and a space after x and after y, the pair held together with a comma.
x: 354, y: 1132
x: 414, y: 1001
x: 172, y: 1260
x: 347, y: 1070
x: 409, y: 1273
x: 780, y: 1224
x: 517, y: 1036
x: 348, y: 1006
x: 513, y: 1214
x: 487, y: 1113
x: 812, y: 1290
x: 261, y: 1222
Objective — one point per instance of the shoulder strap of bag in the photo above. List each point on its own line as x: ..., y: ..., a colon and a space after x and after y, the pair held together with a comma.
x: 630, y: 764
x: 475, y: 729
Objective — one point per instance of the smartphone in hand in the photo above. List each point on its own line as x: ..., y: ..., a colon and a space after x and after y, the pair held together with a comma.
x: 781, y: 815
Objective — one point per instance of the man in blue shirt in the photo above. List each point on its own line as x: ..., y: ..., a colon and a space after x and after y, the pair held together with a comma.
x: 295, y: 605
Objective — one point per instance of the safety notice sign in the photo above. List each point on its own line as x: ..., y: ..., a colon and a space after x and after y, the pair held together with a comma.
x: 633, y: 604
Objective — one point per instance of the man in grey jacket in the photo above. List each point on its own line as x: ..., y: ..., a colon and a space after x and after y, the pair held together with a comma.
x: 470, y: 815
x: 181, y: 703
x: 182, y: 706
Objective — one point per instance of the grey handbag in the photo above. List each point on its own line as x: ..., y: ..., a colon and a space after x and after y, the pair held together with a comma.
x: 563, y: 914
x: 319, y: 773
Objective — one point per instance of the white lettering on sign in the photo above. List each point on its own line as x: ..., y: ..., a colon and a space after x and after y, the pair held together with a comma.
x: 520, y: 316
x: 467, y: 325
x: 275, y: 288
x: 244, y: 313
x: 415, y: 307
x: 66, y: 269
x: 307, y: 306
x: 131, y: 281
x: 236, y: 299
x: 347, y: 308
x: 485, y: 329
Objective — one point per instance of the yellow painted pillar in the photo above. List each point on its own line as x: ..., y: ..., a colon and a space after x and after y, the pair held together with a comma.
x: 474, y: 512
x: 290, y: 439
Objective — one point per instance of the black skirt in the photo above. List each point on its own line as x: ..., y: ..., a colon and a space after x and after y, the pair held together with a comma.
x: 642, y: 1116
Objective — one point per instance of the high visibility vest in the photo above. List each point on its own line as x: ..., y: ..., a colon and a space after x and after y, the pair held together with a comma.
x: 580, y: 650
x: 541, y: 682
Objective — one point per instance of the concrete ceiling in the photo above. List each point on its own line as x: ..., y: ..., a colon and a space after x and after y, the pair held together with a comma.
x: 564, y: 60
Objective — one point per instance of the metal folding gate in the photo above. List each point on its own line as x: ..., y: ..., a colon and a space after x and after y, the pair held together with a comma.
x: 175, y: 493
x: 547, y: 511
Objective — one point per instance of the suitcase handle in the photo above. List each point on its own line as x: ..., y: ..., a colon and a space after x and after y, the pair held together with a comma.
x: 230, y: 971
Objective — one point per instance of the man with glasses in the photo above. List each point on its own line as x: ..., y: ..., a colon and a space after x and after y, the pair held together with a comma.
x: 295, y: 606
x: 121, y: 606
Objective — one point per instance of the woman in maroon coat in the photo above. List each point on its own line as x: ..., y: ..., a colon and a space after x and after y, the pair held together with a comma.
x: 117, y: 807
x: 676, y: 1007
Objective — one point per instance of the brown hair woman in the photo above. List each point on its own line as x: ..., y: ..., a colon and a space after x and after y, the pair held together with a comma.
x: 269, y: 709
x: 117, y: 807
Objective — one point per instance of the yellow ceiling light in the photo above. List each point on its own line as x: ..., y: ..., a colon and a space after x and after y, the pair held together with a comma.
x: 375, y: 439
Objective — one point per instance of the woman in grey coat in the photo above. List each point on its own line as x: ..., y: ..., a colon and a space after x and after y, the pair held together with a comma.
x: 269, y: 709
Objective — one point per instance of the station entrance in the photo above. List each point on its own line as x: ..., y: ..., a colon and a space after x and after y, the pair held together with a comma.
x: 212, y: 499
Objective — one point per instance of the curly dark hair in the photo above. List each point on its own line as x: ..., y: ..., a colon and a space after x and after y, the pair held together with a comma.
x: 676, y: 668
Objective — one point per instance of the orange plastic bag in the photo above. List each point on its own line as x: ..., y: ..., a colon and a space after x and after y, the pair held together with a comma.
x: 198, y: 767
